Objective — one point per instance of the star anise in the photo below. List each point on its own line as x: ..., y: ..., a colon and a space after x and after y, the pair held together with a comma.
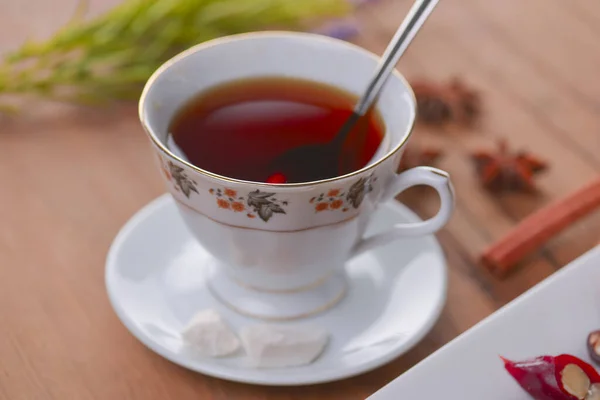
x: 504, y: 171
x: 417, y: 156
x: 442, y: 103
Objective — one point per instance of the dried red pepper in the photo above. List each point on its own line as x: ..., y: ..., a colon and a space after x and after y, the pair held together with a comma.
x: 593, y: 345
x: 564, y: 377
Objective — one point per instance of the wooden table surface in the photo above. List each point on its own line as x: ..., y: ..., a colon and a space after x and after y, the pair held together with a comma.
x: 70, y: 178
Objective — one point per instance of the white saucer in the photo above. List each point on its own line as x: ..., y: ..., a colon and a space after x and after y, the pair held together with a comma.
x: 156, y: 282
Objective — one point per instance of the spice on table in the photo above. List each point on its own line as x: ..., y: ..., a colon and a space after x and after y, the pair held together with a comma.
x: 504, y: 171
x: 468, y: 102
x: 442, y: 103
x: 535, y: 230
x: 417, y: 156
x: 593, y: 346
x: 562, y: 377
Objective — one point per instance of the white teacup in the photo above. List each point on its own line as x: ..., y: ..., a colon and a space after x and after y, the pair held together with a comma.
x: 279, y: 249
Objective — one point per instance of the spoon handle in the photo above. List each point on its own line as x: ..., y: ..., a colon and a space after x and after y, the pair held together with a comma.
x: 406, y: 32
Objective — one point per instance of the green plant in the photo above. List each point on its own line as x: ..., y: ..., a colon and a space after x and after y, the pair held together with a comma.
x: 110, y: 57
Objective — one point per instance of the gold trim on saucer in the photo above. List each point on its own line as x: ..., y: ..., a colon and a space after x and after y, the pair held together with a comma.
x: 300, y: 289
x: 314, y: 312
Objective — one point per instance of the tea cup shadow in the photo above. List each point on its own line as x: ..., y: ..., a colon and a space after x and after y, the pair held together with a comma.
x: 373, y: 274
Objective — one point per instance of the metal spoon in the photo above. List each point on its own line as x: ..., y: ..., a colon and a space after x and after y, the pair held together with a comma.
x: 323, y: 161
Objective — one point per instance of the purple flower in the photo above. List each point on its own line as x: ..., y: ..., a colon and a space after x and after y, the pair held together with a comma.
x: 360, y: 3
x: 341, y: 29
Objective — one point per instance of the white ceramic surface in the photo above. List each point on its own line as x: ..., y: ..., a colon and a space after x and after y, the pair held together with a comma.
x: 156, y: 280
x: 285, y: 237
x: 552, y: 318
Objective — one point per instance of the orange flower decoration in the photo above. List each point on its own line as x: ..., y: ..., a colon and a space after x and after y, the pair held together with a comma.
x: 336, y: 204
x: 313, y: 200
x: 333, y: 193
x: 211, y: 191
x: 344, y: 209
x: 251, y: 216
x: 223, y: 204
x: 229, y: 192
x: 237, y: 206
x: 321, y: 207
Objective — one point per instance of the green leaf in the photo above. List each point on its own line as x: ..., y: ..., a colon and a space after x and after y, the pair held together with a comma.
x: 110, y: 57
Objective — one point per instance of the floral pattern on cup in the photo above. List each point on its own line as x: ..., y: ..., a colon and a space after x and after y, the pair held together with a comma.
x: 182, y: 182
x: 256, y: 203
x: 359, y: 189
x: 335, y: 199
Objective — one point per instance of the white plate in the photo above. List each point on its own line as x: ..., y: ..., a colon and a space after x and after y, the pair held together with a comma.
x: 552, y: 318
x: 156, y: 282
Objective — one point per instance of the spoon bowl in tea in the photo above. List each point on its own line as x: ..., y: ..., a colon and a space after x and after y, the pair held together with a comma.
x: 328, y: 160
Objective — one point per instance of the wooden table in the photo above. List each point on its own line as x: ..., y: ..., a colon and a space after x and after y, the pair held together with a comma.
x: 70, y: 179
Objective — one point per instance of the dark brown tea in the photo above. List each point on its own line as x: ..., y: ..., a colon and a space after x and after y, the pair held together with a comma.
x: 239, y: 128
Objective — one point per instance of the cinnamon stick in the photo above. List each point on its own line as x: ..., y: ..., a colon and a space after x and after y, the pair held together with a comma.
x: 539, y: 227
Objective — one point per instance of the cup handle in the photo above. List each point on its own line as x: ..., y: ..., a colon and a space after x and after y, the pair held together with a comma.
x: 437, y: 179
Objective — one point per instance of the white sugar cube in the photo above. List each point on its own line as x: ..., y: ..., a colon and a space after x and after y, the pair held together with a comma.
x: 210, y: 336
x: 272, y: 346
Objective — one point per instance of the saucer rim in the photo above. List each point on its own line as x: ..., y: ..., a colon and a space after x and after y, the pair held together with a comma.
x: 227, y: 373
